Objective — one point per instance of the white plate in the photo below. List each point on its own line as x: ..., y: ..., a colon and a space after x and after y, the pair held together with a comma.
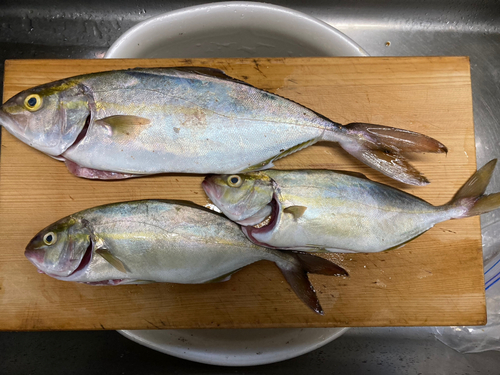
x: 236, y: 347
x: 234, y: 29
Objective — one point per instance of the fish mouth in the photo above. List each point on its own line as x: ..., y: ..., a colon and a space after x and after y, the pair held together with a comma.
x: 211, y: 189
x: 35, y: 256
x: 13, y: 127
x: 263, y: 223
x: 6, y: 121
x: 267, y: 225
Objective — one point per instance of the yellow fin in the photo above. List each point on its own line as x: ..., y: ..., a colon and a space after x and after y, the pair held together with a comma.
x: 125, y: 124
x: 210, y: 72
x: 111, y: 259
x: 296, y: 211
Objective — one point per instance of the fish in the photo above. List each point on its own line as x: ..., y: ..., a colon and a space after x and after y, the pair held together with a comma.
x: 337, y: 211
x: 144, y: 121
x: 163, y: 241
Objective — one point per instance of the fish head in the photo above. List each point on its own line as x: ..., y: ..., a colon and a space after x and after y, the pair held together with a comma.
x: 61, y: 249
x: 243, y: 198
x: 49, y: 117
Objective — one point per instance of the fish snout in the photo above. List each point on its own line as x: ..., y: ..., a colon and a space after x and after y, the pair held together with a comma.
x: 8, y: 122
x: 35, y: 256
x: 17, y: 124
x: 213, y: 190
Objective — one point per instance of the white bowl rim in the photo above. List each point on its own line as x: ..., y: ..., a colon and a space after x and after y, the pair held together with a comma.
x: 126, y: 38
x: 176, y: 346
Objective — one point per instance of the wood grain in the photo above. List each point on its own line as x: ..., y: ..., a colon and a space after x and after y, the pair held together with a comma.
x: 435, y: 280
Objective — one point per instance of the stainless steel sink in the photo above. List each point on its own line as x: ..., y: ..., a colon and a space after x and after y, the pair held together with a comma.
x: 61, y: 29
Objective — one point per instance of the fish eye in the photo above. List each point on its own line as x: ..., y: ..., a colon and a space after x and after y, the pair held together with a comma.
x: 50, y: 238
x: 33, y: 102
x: 234, y: 180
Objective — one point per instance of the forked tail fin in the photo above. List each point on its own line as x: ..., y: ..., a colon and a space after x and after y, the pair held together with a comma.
x: 295, y: 272
x: 380, y: 147
x: 471, y: 198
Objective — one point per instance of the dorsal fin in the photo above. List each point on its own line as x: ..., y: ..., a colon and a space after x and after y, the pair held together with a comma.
x: 210, y: 72
x: 190, y: 204
x: 204, y: 71
x: 351, y: 173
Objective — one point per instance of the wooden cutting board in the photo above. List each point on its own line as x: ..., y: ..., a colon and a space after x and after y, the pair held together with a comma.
x: 435, y: 280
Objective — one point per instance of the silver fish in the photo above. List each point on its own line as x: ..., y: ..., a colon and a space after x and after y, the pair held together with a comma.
x: 130, y: 123
x: 318, y: 210
x: 161, y: 241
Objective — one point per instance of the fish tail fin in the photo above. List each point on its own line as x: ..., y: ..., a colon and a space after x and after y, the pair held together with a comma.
x: 380, y: 147
x: 471, y: 198
x: 295, y: 271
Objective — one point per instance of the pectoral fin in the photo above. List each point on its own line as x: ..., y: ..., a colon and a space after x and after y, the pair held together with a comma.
x: 111, y: 259
x: 119, y: 121
x: 125, y: 124
x: 296, y: 211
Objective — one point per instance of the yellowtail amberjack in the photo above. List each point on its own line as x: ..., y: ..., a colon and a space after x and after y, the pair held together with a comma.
x: 318, y: 210
x: 161, y: 241
x: 131, y: 123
